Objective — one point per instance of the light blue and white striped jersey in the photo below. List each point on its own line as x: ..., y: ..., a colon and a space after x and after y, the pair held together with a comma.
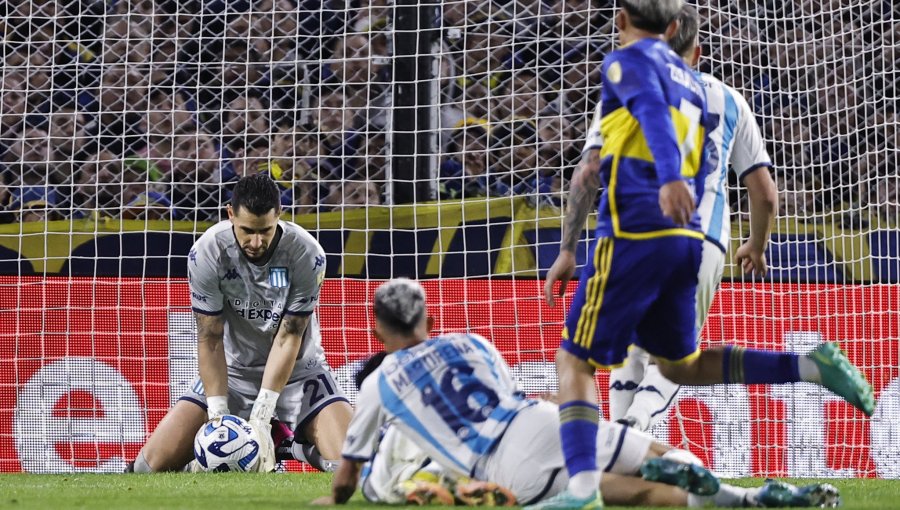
x: 735, y: 143
x: 452, y: 395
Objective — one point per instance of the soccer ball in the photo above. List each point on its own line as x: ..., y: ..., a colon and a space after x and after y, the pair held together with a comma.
x: 227, y: 443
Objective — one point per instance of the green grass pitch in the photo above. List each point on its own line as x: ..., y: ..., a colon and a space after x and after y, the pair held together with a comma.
x: 202, y: 491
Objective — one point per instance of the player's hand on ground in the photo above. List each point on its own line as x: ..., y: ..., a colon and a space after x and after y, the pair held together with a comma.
x: 751, y: 258
x: 267, y: 460
x: 562, y: 270
x: 677, y: 201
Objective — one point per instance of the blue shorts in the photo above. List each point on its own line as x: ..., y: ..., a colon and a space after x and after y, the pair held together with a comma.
x: 636, y: 292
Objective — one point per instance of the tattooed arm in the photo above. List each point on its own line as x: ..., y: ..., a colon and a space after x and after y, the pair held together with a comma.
x: 211, y: 353
x: 581, y: 199
x: 284, y: 351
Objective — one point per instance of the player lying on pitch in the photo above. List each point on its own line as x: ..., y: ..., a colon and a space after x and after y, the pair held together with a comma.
x: 451, y: 399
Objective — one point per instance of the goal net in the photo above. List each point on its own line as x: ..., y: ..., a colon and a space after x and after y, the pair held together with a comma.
x: 427, y: 139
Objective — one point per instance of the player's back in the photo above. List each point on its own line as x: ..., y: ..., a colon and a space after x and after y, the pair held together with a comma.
x: 453, y: 395
x: 643, y: 84
x: 253, y: 296
x: 734, y: 143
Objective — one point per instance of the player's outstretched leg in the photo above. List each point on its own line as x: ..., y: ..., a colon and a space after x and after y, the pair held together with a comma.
x: 827, y: 366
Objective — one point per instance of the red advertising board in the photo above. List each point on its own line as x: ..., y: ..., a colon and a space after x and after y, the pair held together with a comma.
x: 89, y: 366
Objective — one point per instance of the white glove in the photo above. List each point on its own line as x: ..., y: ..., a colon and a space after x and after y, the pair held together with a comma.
x: 261, y: 421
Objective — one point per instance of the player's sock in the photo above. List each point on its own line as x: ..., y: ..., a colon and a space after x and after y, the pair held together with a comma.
x: 653, y: 397
x: 750, y: 366
x: 578, y: 431
x: 623, y: 383
x: 308, y: 453
x: 728, y: 496
x: 809, y: 371
x: 141, y: 465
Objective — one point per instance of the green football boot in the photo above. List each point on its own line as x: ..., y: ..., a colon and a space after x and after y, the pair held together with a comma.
x: 690, y: 477
x: 841, y: 377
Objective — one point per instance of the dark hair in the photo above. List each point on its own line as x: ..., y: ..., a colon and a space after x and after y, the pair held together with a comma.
x: 257, y: 193
x: 688, y: 28
x: 652, y: 15
x: 368, y: 367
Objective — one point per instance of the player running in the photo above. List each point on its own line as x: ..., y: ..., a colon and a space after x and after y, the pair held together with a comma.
x: 448, y: 408
x: 640, y: 287
x: 638, y: 394
x: 254, y: 283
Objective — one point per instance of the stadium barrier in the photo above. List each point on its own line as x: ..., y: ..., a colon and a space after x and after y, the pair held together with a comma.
x: 88, y: 367
x: 475, y: 238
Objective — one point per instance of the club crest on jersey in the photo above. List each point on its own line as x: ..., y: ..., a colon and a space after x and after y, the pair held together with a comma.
x: 278, y: 277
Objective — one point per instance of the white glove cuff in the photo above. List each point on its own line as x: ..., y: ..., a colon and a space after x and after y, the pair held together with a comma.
x: 264, y: 407
x: 216, y: 406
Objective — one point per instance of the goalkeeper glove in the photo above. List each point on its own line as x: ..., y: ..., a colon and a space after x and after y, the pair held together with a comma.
x: 260, y: 419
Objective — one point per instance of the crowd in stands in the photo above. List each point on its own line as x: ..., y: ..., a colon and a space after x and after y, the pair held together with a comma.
x: 151, y: 109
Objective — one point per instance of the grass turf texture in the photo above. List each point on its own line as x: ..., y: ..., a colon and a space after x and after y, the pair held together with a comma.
x: 202, y: 491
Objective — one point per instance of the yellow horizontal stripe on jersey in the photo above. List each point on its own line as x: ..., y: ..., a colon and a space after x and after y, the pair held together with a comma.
x: 622, y: 136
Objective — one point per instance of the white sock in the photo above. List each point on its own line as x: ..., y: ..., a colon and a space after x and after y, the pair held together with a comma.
x: 141, y: 465
x: 728, y: 496
x: 624, y: 381
x: 651, y: 402
x: 584, y: 484
x: 808, y: 369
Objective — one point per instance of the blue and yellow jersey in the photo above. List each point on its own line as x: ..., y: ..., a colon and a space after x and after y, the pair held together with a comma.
x: 649, y: 129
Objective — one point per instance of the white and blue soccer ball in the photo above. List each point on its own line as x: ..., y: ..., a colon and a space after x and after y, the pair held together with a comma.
x: 227, y: 443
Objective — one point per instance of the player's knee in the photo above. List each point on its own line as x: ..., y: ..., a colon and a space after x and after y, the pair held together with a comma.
x: 567, y: 364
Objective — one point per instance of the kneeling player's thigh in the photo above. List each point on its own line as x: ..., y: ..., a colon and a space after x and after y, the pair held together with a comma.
x: 171, y: 446
x: 318, y: 410
x: 611, y: 299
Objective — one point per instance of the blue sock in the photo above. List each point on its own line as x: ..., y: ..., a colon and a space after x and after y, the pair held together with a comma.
x: 578, y: 430
x: 749, y: 366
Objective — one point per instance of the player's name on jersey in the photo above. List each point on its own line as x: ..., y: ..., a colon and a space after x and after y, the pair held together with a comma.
x: 404, y: 371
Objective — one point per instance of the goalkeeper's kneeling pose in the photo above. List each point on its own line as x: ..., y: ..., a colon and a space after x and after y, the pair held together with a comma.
x: 254, y: 283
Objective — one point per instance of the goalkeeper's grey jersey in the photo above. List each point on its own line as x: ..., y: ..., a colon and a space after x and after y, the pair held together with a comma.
x: 253, y: 298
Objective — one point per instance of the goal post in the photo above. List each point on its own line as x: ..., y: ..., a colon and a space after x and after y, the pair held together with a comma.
x: 433, y: 140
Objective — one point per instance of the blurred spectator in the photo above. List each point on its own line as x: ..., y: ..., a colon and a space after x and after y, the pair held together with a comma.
x: 464, y: 171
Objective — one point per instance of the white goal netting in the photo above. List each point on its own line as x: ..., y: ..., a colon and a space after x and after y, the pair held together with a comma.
x: 426, y: 139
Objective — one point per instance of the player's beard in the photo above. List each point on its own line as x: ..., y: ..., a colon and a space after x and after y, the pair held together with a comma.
x: 254, y: 256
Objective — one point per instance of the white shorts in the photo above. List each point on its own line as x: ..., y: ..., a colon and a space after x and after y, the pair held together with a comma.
x: 712, y: 265
x: 396, y: 460
x: 529, y: 459
x: 300, y: 401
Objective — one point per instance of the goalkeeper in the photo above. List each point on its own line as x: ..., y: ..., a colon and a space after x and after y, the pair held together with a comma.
x: 254, y: 283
